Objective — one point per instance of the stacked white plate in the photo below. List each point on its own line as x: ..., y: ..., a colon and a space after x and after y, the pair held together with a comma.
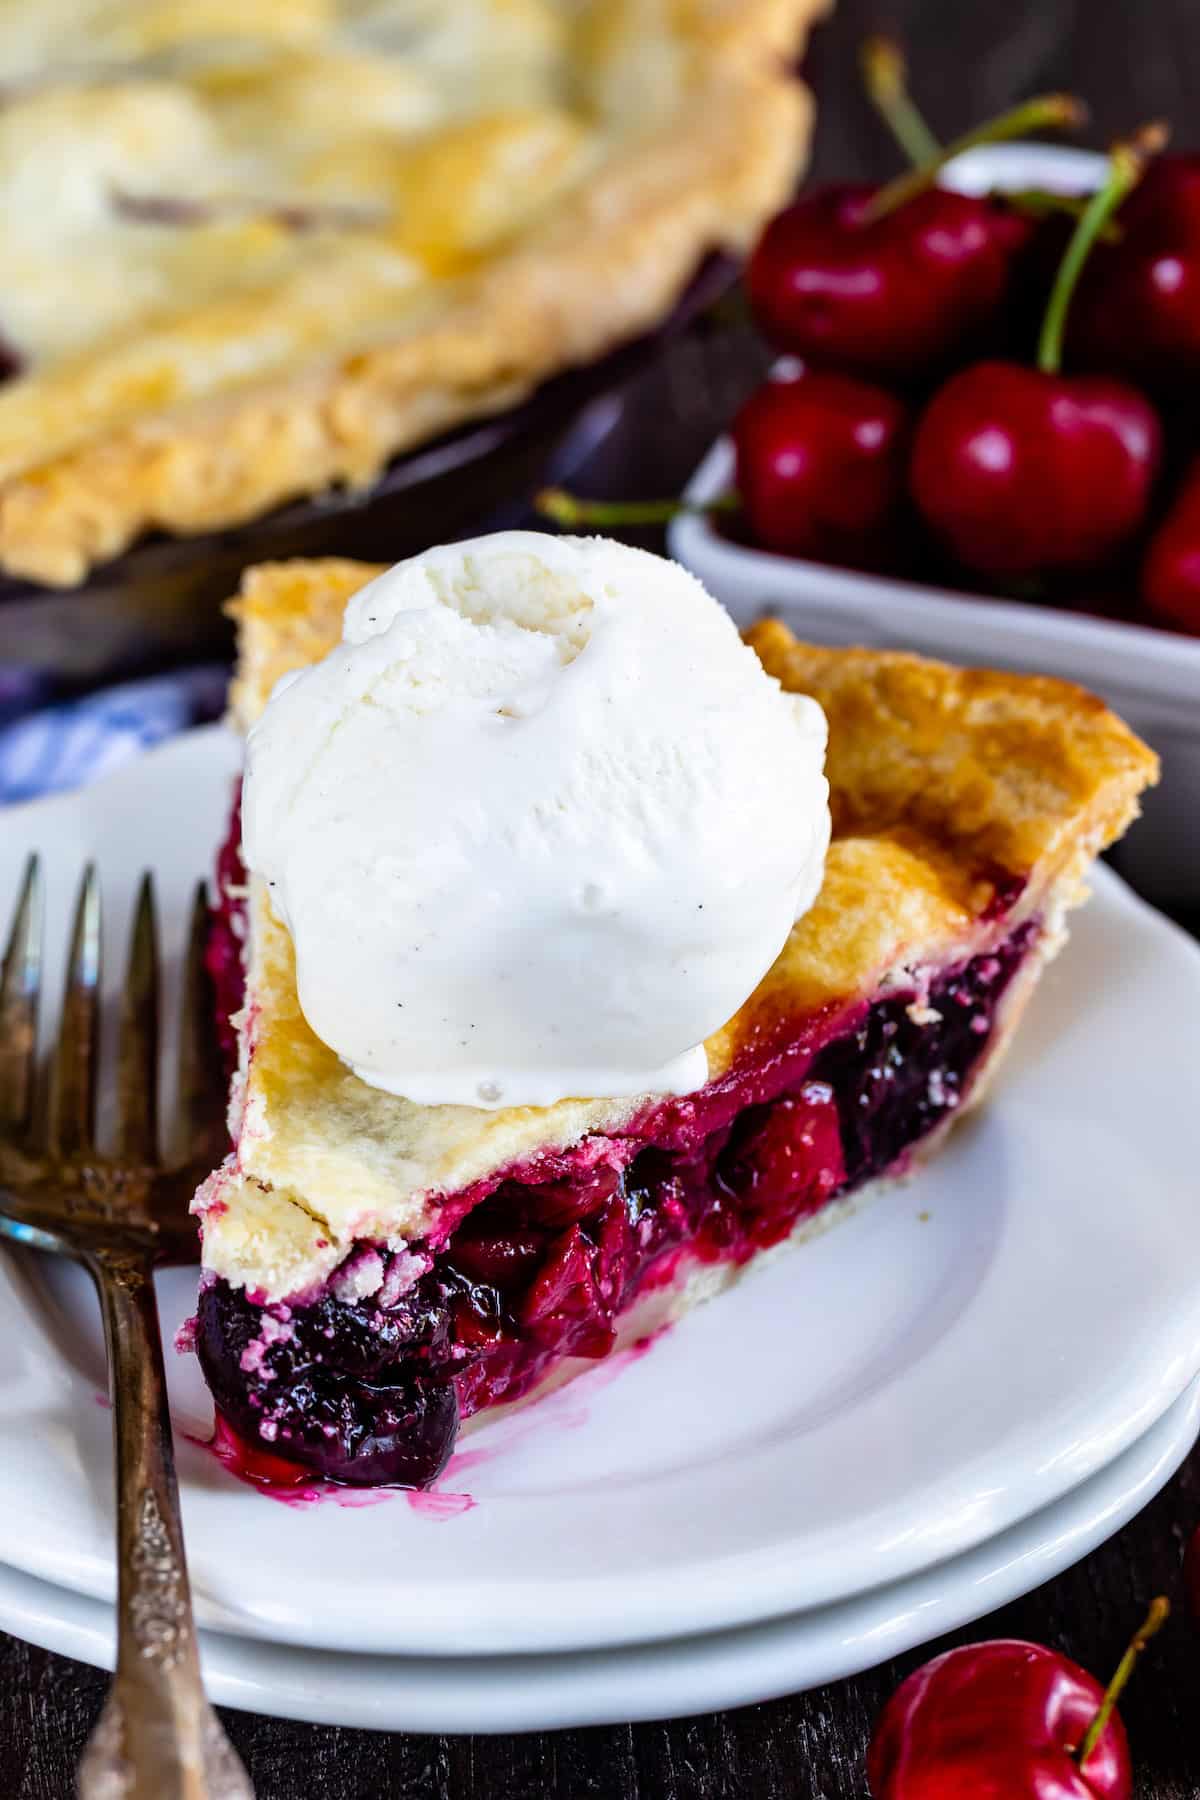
x: 881, y: 1435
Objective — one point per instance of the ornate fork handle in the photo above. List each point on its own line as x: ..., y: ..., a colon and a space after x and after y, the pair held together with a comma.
x: 157, y: 1738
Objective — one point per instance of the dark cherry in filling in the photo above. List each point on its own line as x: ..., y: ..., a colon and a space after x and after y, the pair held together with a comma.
x: 369, y: 1392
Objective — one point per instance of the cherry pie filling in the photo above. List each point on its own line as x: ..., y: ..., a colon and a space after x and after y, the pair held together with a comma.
x: 368, y: 1380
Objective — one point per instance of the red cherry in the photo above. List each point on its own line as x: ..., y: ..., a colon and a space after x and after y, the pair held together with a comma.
x: 890, y: 296
x: 1138, y: 307
x: 1020, y: 472
x: 560, y: 1203
x: 496, y: 1258
x: 1006, y: 1721
x: 820, y: 466
x: 1023, y: 471
x: 1166, y: 202
x: 565, y: 1288
x: 1170, y: 585
x: 998, y: 1721
x: 476, y: 1322
x: 788, y: 1167
x: 895, y: 280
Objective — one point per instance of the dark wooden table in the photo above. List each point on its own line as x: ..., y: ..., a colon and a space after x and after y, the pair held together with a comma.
x: 1132, y: 60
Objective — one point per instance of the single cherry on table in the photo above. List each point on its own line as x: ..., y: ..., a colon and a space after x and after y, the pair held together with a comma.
x: 1025, y: 471
x: 1006, y: 1721
x: 894, y: 281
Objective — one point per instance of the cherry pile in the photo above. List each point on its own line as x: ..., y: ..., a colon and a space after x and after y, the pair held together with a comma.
x: 993, y: 392
x: 1040, y: 467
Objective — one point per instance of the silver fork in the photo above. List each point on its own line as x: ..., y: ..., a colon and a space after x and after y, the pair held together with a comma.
x: 121, y: 1216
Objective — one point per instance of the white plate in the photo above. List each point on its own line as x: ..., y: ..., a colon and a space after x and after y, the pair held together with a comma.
x: 647, y: 1681
x: 1151, y: 677
x: 963, y: 1351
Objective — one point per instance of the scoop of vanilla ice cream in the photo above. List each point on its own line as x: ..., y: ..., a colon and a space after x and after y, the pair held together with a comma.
x: 537, y: 827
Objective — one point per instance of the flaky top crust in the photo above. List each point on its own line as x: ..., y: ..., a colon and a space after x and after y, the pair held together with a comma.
x: 1022, y: 772
x: 102, y: 446
x: 948, y: 787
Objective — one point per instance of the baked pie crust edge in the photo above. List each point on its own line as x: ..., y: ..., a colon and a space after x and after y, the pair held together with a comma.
x: 604, y: 266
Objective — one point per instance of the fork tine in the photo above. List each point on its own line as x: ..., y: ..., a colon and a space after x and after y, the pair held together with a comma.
x: 73, y: 1077
x: 137, y: 1061
x: 202, y: 1093
x: 20, y: 987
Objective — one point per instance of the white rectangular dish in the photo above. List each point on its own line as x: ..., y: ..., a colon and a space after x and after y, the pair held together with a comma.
x: 1152, y: 678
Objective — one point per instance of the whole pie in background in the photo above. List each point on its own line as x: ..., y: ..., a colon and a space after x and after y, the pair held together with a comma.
x: 253, y: 248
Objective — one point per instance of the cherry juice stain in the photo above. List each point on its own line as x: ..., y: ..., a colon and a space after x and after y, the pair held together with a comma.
x: 286, y: 1482
x: 280, y: 1480
x: 434, y: 1503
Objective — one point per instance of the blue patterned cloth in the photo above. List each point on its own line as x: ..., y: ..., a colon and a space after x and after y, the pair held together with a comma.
x: 46, y: 747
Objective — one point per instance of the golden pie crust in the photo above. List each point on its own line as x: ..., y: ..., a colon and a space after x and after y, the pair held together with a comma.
x: 963, y: 802
x: 473, y: 226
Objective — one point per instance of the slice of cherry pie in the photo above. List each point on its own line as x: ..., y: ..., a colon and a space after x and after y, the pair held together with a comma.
x: 377, y: 1271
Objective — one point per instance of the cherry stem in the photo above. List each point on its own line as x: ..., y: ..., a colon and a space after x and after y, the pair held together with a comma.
x: 1041, y: 203
x: 1154, y: 1621
x: 885, y: 77
x: 1032, y: 115
x: 570, y: 509
x: 1126, y: 164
